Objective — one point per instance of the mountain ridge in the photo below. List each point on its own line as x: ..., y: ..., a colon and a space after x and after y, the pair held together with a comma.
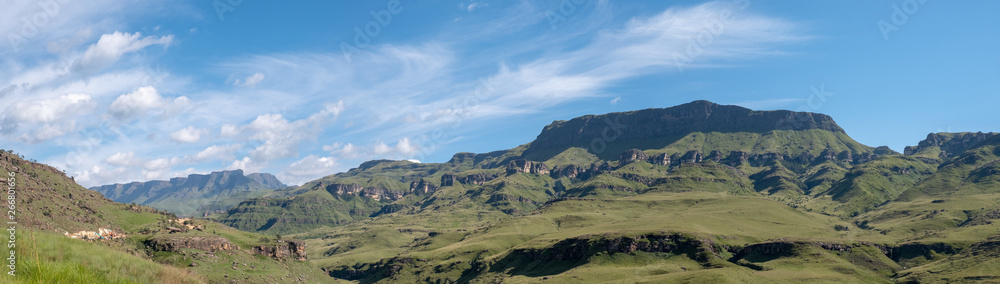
x: 194, y: 194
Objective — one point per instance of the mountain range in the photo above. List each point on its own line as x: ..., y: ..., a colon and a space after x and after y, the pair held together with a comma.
x: 699, y: 192
x: 693, y: 192
x: 195, y: 195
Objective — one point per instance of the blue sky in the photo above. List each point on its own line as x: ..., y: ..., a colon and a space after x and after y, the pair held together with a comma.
x: 119, y: 91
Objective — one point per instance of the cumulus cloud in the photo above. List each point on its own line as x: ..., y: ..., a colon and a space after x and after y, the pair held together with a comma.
x: 143, y: 101
x: 50, y: 110
x: 159, y: 168
x: 45, y: 118
x: 280, y: 138
x: 112, y: 46
x: 247, y: 164
x: 309, y: 168
x: 250, y: 81
x: 97, y: 175
x: 122, y: 159
x: 189, y: 134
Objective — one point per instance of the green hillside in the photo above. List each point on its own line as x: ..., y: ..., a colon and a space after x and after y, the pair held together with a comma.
x: 146, y: 247
x: 693, y: 193
x: 698, y: 192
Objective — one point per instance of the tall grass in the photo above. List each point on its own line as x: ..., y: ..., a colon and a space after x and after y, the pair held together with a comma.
x: 44, y: 257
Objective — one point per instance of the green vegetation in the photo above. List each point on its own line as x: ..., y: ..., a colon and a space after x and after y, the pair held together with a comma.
x: 150, y: 247
x: 50, y: 258
x: 695, y: 193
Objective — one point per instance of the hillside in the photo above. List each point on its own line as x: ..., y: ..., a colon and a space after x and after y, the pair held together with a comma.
x: 127, y: 243
x: 196, y: 194
x: 689, y: 193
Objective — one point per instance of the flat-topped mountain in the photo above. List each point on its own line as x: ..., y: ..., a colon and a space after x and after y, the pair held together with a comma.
x: 665, y: 125
x: 196, y: 193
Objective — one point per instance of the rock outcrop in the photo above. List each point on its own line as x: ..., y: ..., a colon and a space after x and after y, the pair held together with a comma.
x: 422, y: 187
x: 209, y: 244
x: 632, y: 155
x: 283, y: 249
x: 358, y: 190
x: 525, y: 166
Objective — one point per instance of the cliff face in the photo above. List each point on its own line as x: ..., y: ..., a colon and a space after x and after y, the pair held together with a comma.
x: 266, y: 179
x: 525, y: 166
x: 358, y: 190
x: 951, y: 144
x: 697, y: 116
x: 194, y: 194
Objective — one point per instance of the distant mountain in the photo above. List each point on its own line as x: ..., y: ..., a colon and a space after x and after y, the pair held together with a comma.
x: 195, y: 194
x: 947, y: 145
x: 693, y: 193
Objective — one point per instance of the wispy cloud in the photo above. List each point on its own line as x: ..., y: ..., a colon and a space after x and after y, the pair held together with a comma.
x: 307, y: 114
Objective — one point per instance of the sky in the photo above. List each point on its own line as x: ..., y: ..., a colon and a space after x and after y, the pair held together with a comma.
x: 127, y: 90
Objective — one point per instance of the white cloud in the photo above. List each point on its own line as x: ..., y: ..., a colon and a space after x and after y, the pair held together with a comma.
x: 224, y: 152
x: 122, y: 159
x: 475, y: 5
x: 143, y: 101
x: 309, y: 168
x: 281, y: 138
x: 97, y: 175
x: 159, y: 169
x: 112, y: 46
x: 189, y: 134
x: 250, y: 81
x: 615, y: 100
x: 45, y: 119
x: 229, y: 130
x: 50, y: 110
x: 247, y: 164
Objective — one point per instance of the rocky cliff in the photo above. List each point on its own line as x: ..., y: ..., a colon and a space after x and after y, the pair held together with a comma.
x: 283, y: 249
x: 951, y: 144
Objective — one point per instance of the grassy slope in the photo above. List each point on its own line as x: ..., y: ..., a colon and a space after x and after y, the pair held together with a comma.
x: 49, y: 203
x: 452, y: 233
x: 45, y: 257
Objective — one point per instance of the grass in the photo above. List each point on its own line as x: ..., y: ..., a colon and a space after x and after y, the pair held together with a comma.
x: 50, y: 258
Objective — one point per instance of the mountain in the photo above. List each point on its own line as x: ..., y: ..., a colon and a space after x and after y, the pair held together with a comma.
x: 695, y: 141
x: 690, y: 193
x: 661, y: 127
x: 948, y: 145
x: 195, y: 194
x: 129, y: 243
